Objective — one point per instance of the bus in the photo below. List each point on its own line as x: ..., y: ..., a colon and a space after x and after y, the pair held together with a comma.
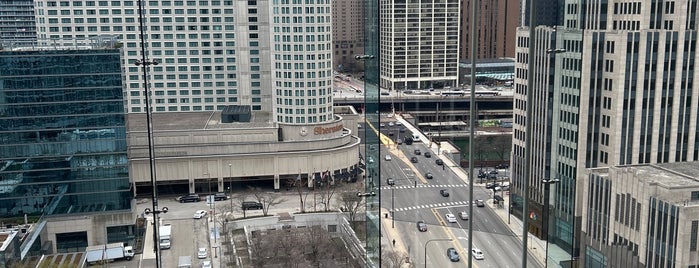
x: 452, y: 93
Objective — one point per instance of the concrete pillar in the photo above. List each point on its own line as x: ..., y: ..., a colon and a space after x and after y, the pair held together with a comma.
x: 191, y: 185
x: 276, y: 182
x: 311, y: 180
x: 219, y: 185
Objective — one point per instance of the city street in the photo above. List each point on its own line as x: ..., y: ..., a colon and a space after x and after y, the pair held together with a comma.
x: 415, y: 198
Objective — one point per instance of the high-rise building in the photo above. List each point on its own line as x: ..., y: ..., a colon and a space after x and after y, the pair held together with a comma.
x: 640, y: 215
x: 622, y: 93
x: 348, y: 35
x: 63, y: 159
x: 497, y: 26
x: 17, y: 21
x: 272, y: 56
x: 419, y: 47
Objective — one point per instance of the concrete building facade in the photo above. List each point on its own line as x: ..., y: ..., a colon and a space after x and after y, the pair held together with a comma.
x: 273, y: 56
x: 419, y: 46
x: 348, y: 35
x: 497, y: 26
x: 198, y: 151
x: 622, y: 95
x: 640, y: 215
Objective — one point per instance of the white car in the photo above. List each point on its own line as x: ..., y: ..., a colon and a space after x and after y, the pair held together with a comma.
x: 390, y: 124
x: 477, y: 254
x: 199, y: 214
x: 450, y: 217
x: 206, y: 264
x: 388, y: 157
x: 202, y: 254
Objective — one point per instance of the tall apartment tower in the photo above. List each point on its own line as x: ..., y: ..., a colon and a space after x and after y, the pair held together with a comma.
x: 17, y: 21
x: 273, y: 56
x: 622, y: 94
x: 419, y: 45
x: 497, y: 26
x: 348, y: 35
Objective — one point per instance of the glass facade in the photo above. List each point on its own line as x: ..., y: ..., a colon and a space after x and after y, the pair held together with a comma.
x: 62, y: 134
x: 372, y: 140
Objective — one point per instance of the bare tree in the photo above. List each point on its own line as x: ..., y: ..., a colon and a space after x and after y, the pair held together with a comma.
x: 327, y: 190
x: 301, y: 188
x: 502, y: 147
x: 393, y: 259
x: 350, y: 203
x: 238, y: 201
x: 267, y: 199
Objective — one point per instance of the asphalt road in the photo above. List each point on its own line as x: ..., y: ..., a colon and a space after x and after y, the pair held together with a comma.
x: 414, y: 198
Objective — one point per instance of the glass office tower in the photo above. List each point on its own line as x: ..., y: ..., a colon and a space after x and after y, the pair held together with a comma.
x: 63, y: 147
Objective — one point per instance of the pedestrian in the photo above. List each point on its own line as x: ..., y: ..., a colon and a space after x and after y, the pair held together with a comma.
x: 394, y: 242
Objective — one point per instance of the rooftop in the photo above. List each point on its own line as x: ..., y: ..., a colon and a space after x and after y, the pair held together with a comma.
x: 194, y: 121
x: 680, y: 174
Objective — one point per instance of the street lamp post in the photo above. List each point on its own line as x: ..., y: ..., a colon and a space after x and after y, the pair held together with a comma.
x: 156, y: 239
x: 428, y: 241
x: 393, y: 213
x: 547, y: 192
x: 230, y: 186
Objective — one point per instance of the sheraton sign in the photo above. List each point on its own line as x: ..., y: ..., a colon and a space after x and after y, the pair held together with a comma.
x: 327, y: 130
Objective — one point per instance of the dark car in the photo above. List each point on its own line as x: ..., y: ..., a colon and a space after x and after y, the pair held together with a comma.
x: 390, y: 133
x: 480, y: 203
x: 417, y: 151
x: 413, y: 159
x: 453, y: 254
x: 189, y: 198
x: 494, y: 171
x: 502, y: 166
x: 422, y: 226
x: 390, y: 181
x: 428, y: 176
x: 444, y: 192
x: 428, y: 154
x: 220, y: 197
x: 439, y: 162
x: 408, y: 141
x: 251, y: 205
x: 492, y: 176
x: 401, y: 130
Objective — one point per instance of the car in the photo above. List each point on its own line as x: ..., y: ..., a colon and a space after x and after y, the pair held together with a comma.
x: 220, y: 197
x: 398, y: 123
x: 491, y: 185
x: 413, y: 159
x: 382, y: 125
x: 189, y: 198
x: 401, y: 130
x: 492, y: 176
x: 251, y: 205
x: 202, y: 254
x: 444, y: 192
x: 421, y: 226
x: 390, y: 181
x: 199, y: 214
x: 390, y: 133
x: 477, y: 254
x: 428, y: 176
x: 390, y: 124
x: 494, y: 171
x: 505, y: 187
x: 428, y: 154
x: 480, y: 203
x: 388, y: 157
x: 463, y: 215
x: 417, y: 151
x: 439, y: 162
x: 399, y: 141
x: 206, y: 264
x: 408, y: 141
x: 453, y: 255
x: 502, y: 166
x: 450, y: 217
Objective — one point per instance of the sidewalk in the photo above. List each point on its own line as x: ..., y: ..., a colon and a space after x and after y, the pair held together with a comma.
x: 389, y: 234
